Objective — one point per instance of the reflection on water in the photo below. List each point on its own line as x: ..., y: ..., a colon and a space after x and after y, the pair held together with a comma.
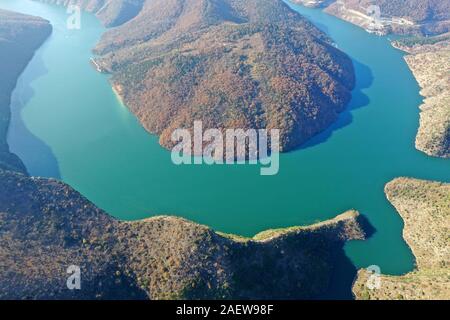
x: 36, y: 155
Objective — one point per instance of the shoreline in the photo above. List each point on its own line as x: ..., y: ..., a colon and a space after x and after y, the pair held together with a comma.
x: 97, y: 67
x: 129, y: 268
x: 429, y: 65
x: 101, y: 229
x: 117, y: 89
x: 118, y: 92
x: 433, y: 132
x: 425, y: 231
x: 384, y: 25
x: 158, y: 113
x: 41, y: 30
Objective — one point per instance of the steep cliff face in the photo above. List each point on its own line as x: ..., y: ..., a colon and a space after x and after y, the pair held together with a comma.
x: 46, y: 226
x: 20, y: 36
x: 425, y: 209
x: 228, y: 63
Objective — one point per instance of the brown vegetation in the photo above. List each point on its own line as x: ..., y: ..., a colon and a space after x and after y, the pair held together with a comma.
x: 230, y: 64
x: 429, y: 60
x: 425, y: 209
x: 46, y: 226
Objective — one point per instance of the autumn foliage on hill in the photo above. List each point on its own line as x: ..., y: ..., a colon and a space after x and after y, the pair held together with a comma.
x: 227, y: 63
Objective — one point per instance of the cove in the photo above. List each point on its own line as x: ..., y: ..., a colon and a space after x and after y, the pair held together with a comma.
x: 67, y: 123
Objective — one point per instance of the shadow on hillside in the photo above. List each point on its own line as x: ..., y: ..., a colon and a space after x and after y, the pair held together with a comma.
x: 364, y: 79
x: 34, y: 153
x: 345, y: 271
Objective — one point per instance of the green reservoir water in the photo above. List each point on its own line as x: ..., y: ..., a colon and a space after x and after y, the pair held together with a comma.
x: 67, y: 123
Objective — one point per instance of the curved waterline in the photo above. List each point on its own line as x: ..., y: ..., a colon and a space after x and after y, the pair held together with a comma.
x: 103, y: 152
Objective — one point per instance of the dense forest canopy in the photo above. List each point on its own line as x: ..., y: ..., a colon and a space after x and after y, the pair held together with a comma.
x: 228, y: 63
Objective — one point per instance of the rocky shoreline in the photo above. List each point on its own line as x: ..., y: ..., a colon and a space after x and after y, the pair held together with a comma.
x: 430, y: 64
x: 423, y: 205
x: 46, y: 227
x: 425, y: 208
x: 429, y: 61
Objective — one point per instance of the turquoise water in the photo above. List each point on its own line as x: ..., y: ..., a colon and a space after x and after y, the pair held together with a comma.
x: 67, y: 123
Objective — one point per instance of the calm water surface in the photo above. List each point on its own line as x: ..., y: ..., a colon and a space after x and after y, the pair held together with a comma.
x: 67, y: 123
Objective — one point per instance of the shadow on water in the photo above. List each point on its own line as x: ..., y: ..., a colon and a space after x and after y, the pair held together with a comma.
x: 344, y: 273
x: 364, y: 79
x: 36, y: 155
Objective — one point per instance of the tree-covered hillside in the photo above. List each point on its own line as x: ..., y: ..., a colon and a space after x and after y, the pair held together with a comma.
x: 229, y: 63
